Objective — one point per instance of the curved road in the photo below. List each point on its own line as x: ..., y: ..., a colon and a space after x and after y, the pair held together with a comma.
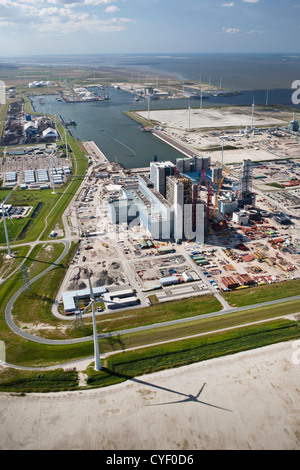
x: 67, y: 243
x: 17, y: 330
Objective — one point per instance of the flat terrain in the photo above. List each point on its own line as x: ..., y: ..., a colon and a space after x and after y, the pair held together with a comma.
x: 246, y: 401
x: 207, y: 118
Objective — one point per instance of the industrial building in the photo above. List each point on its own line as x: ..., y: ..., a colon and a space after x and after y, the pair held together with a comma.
x: 120, y: 299
x: 170, y: 203
x: 193, y: 164
x: 189, y: 217
x: 10, y: 178
x: 158, y: 174
x: 166, y: 202
x: 70, y: 297
x: 49, y: 133
x: 293, y: 125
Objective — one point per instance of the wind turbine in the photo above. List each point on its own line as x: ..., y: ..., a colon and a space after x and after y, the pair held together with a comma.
x: 65, y: 136
x: 51, y: 164
x: 222, y: 154
x: 4, y: 222
x: 253, y: 106
x: 98, y: 365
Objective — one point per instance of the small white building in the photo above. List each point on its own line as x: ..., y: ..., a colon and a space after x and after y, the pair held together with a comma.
x: 120, y: 299
x: 49, y: 132
x: 186, y: 276
x: 240, y: 218
x: 30, y: 126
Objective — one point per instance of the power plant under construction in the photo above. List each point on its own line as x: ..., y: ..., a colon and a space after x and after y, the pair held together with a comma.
x: 184, y: 200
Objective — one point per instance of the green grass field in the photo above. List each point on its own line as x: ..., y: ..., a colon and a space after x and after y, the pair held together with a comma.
x: 123, y: 366
x: 263, y: 293
x: 44, y: 203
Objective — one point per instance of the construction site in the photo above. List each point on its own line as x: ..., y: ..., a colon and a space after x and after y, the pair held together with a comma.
x: 250, y: 228
x: 222, y: 217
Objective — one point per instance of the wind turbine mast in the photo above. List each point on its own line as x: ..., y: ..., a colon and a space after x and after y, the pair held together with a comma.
x: 4, y: 223
x: 52, y: 171
x: 98, y: 365
x: 253, y: 106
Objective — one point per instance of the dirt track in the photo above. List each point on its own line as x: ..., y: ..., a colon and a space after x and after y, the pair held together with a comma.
x: 245, y: 401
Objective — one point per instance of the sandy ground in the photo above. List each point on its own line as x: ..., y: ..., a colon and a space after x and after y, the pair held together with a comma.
x: 209, y: 118
x: 237, y: 156
x: 245, y: 401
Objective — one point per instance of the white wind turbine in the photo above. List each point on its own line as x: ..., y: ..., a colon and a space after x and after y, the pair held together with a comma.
x: 4, y: 211
x: 98, y: 365
x: 52, y: 161
x: 253, y: 106
x: 66, y: 141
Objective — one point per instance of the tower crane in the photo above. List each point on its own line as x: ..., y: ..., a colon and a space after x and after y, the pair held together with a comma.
x: 218, y: 194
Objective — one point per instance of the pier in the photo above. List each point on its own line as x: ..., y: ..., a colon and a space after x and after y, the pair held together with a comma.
x: 175, y: 144
x: 93, y: 150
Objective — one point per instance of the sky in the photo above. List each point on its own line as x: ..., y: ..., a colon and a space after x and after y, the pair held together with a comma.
x: 34, y: 27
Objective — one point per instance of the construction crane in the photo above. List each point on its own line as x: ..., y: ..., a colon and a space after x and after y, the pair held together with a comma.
x: 218, y: 194
x: 175, y: 167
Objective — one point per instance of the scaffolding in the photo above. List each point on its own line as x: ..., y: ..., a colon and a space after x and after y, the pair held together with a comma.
x: 245, y: 187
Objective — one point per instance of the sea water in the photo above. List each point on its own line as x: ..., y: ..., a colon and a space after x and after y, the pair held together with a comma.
x: 264, y: 78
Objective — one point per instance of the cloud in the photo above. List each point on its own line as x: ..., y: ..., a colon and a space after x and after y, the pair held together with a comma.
x: 44, y: 16
x: 254, y: 31
x: 97, y: 2
x: 231, y: 30
x: 112, y: 9
x: 231, y: 4
x: 250, y: 1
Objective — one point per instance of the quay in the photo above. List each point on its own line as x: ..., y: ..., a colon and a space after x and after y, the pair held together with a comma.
x: 175, y: 144
x: 94, y: 150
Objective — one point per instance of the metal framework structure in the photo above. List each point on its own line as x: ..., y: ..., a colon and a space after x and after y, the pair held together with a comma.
x: 244, y: 190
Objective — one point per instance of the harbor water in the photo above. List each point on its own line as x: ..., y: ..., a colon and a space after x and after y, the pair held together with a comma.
x: 120, y: 138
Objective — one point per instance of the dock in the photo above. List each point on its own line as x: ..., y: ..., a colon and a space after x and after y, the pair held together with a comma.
x: 175, y: 144
x: 94, y: 151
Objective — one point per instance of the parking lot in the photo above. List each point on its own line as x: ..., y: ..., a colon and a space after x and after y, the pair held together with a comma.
x: 32, y: 158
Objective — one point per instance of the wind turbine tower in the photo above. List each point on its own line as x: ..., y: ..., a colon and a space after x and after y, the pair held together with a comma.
x: 52, y: 170
x: 98, y: 365
x: 4, y: 222
x: 67, y: 152
x: 253, y: 106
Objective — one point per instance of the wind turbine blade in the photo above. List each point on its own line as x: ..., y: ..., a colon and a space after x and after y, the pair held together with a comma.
x: 8, y: 196
x: 170, y: 402
x: 7, y: 214
x: 199, y: 393
x: 86, y: 308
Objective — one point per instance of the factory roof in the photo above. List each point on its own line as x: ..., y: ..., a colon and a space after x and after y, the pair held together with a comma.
x: 49, y: 132
x: 69, y: 296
